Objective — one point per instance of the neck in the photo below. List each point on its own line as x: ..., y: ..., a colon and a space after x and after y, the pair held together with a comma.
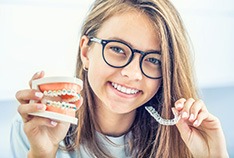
x: 113, y: 124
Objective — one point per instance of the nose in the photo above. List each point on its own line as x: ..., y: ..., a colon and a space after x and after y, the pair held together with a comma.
x: 132, y: 70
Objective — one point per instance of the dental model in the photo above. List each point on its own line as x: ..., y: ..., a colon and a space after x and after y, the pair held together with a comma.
x: 161, y: 120
x: 62, y: 95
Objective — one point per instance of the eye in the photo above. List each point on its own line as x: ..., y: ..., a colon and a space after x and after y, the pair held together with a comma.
x: 154, y: 61
x: 117, y: 49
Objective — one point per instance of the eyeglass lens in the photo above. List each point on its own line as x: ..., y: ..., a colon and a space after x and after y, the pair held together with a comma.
x: 118, y: 54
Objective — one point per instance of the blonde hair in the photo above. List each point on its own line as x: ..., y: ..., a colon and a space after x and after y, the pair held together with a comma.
x: 149, y: 139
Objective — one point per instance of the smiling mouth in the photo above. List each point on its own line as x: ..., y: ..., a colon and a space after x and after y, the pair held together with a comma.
x: 125, y: 90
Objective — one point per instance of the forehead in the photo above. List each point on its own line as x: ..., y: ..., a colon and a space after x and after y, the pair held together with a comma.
x: 134, y: 27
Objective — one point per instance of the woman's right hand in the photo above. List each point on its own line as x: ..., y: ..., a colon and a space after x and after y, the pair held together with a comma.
x: 43, y: 134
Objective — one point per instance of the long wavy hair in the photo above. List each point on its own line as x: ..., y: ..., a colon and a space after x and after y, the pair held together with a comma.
x: 148, y: 138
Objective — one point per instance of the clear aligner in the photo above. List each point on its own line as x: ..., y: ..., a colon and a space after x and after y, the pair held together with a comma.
x: 161, y: 120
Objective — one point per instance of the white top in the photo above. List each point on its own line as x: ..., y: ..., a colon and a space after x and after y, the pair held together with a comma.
x: 20, y: 145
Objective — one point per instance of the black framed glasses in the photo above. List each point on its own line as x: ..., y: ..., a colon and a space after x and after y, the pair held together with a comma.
x: 118, y: 54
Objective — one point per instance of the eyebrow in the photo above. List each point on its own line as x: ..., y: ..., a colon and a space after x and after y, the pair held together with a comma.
x: 121, y: 40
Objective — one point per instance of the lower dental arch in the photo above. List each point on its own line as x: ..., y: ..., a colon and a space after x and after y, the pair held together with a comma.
x: 62, y: 105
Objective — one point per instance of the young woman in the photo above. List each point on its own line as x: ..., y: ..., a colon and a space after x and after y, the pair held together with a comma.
x: 132, y: 54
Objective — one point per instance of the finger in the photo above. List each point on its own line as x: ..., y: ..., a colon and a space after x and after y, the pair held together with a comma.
x: 184, y: 129
x: 201, y: 116
x: 186, y: 110
x: 195, y: 109
x: 25, y: 109
x: 37, y: 75
x: 42, y: 121
x: 23, y: 96
x: 38, y: 122
x: 179, y: 104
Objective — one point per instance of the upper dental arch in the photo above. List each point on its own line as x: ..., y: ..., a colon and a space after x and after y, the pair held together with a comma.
x: 124, y: 89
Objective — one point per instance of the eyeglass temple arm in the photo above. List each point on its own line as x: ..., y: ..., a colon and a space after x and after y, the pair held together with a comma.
x: 93, y: 39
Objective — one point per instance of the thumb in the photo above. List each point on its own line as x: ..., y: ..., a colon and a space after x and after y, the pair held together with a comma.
x: 37, y: 75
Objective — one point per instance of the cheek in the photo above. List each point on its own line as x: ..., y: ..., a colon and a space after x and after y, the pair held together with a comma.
x: 153, y: 87
x: 97, y: 73
x: 96, y: 69
x: 95, y: 64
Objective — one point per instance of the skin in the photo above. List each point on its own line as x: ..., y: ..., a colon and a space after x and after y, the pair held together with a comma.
x: 43, y: 134
x: 113, y: 107
x: 196, y: 121
x: 115, y: 111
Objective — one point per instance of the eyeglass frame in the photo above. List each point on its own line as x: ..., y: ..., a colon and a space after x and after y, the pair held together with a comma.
x: 104, y: 42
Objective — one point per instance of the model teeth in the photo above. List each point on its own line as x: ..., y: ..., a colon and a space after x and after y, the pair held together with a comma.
x: 62, y: 105
x: 66, y: 103
x: 124, y: 89
x: 54, y: 93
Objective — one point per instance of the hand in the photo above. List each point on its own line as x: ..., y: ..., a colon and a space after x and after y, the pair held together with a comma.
x: 200, y: 130
x: 43, y: 134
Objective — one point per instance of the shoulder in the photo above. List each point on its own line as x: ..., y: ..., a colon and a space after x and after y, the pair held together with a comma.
x: 18, y: 140
x: 17, y: 127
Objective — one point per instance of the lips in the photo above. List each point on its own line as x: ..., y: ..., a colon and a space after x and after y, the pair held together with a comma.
x: 125, y: 90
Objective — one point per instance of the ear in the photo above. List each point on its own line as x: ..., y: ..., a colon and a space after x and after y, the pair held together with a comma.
x: 84, y: 49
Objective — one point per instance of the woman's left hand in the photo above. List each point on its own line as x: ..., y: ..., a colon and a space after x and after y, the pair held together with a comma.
x: 200, y: 130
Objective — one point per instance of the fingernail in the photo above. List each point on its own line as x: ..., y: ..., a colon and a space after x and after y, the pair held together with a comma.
x: 191, y: 118
x: 196, y: 123
x: 41, y: 107
x: 185, y: 115
x: 39, y: 94
x: 53, y: 123
x: 174, y: 111
x: 38, y: 73
x: 179, y: 105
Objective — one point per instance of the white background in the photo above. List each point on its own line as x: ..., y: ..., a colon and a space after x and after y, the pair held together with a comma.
x: 43, y: 35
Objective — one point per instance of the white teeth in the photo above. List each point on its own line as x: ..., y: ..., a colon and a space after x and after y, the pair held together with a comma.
x: 128, y: 91
x: 62, y: 105
x: 66, y: 103
x: 118, y: 87
x: 124, y: 89
x: 75, y: 97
